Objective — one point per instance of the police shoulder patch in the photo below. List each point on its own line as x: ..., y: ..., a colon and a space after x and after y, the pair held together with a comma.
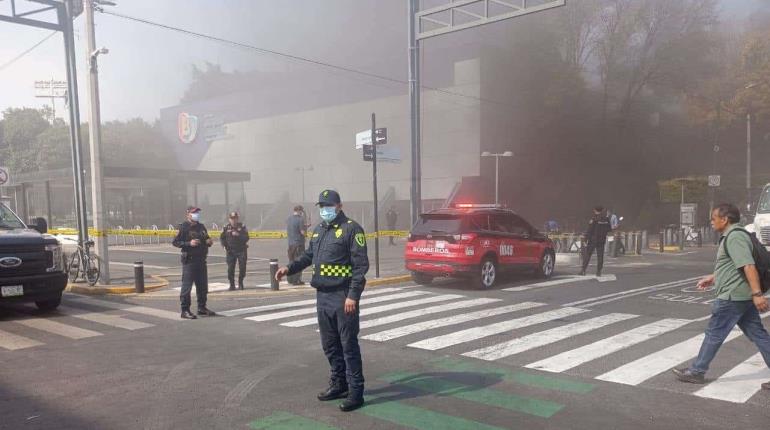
x: 338, y: 233
x: 360, y: 239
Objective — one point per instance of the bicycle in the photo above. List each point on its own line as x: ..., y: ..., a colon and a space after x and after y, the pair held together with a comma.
x: 84, y: 264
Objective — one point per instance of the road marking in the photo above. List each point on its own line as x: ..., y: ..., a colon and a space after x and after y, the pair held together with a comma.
x: 397, y: 332
x: 58, y: 328
x: 146, y: 266
x: 213, y: 287
x: 160, y: 313
x: 308, y: 311
x: 106, y: 319
x: 379, y: 309
x: 558, y: 281
x: 413, y: 417
x: 13, y: 342
x: 536, y: 340
x: 638, y: 371
x: 286, y: 305
x: 445, y: 387
x: 607, y: 278
x: 426, y: 311
x: 604, y: 347
x: 285, y: 421
x: 623, y: 294
x: 474, y: 333
x: 740, y: 383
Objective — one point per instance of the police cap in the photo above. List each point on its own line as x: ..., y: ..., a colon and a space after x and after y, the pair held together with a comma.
x: 329, y: 198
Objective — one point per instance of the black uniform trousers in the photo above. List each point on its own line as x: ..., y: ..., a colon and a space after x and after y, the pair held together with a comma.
x: 239, y: 257
x: 339, y: 339
x: 588, y: 252
x: 194, y: 271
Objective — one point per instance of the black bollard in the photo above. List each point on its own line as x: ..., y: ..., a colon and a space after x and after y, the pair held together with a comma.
x: 273, y: 271
x: 662, y: 240
x: 139, y: 276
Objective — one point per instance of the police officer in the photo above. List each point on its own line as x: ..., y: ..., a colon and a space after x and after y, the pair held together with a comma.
x: 194, y: 240
x: 337, y: 251
x: 233, y: 238
x: 596, y: 236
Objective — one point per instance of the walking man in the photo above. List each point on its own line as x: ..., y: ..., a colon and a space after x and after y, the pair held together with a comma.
x: 739, y: 295
x: 596, y: 237
x: 392, y: 219
x: 233, y: 238
x: 194, y: 240
x: 337, y: 251
x: 296, y: 230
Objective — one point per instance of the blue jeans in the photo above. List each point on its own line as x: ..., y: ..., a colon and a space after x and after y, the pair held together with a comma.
x: 725, y: 314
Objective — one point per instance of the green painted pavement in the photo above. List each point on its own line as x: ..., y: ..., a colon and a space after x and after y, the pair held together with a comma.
x: 486, y: 396
x: 286, y: 421
x: 524, y: 378
x: 418, y: 418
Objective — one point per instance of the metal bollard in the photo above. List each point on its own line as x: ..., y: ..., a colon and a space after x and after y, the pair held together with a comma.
x: 662, y: 240
x: 139, y: 276
x: 701, y: 231
x: 681, y: 240
x: 273, y: 271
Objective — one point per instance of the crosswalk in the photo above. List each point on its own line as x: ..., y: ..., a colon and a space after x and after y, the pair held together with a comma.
x: 78, y: 318
x: 574, y: 338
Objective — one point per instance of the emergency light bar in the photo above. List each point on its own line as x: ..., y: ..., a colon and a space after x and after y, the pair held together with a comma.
x: 477, y: 206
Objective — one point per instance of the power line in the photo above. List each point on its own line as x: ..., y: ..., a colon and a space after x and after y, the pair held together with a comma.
x: 296, y: 57
x: 21, y: 55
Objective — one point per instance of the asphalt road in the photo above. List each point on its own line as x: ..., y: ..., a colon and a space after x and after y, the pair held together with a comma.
x: 575, y: 353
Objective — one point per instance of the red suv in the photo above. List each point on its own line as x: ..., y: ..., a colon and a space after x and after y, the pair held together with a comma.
x: 476, y: 241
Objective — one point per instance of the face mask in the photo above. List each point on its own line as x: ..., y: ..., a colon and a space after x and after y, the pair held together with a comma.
x: 328, y: 213
x: 195, y: 216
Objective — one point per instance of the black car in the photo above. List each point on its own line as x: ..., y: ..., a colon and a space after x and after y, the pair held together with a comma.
x: 31, y: 263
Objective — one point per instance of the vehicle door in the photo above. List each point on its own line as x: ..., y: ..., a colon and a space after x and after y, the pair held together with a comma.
x: 527, y: 240
x: 507, y: 246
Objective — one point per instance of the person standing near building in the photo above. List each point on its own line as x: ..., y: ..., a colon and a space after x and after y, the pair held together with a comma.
x: 296, y: 230
x: 596, y: 238
x: 194, y: 240
x: 338, y: 253
x: 391, y: 217
x: 739, y: 295
x: 234, y: 239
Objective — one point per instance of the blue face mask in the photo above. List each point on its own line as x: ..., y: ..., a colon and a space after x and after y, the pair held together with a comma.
x: 328, y: 213
x: 195, y: 216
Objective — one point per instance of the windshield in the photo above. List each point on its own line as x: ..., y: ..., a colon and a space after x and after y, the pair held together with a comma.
x: 8, y: 219
x: 764, y: 201
x: 438, y: 224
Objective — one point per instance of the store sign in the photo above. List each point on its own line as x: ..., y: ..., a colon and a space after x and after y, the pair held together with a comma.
x: 187, y: 127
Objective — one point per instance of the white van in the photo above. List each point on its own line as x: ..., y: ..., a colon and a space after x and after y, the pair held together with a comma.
x: 762, y: 218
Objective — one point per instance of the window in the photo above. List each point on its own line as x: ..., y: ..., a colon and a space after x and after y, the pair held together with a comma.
x: 478, y: 222
x: 501, y: 223
x: 519, y: 226
x: 8, y: 219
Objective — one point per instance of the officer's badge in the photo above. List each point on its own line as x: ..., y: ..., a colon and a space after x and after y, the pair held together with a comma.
x: 338, y: 233
x: 360, y: 239
x: 326, y: 194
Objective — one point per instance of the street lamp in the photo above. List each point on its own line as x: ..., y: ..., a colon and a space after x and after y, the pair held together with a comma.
x: 497, y: 168
x: 748, y: 150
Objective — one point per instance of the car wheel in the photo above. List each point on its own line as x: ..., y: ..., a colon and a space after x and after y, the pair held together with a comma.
x: 421, y: 278
x: 487, y: 273
x: 48, y: 305
x: 546, y: 266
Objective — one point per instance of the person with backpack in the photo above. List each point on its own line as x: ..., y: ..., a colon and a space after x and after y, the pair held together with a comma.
x: 741, y: 277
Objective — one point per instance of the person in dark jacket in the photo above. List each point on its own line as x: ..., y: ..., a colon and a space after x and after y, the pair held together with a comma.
x: 596, y: 237
x: 296, y: 231
x: 194, y: 240
x: 234, y: 239
x: 392, y: 219
x: 338, y: 253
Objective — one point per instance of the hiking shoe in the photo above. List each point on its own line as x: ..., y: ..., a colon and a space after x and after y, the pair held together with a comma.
x: 204, y: 312
x: 687, y: 375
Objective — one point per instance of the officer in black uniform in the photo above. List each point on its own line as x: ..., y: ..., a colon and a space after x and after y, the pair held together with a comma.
x: 194, y: 240
x: 337, y: 251
x: 596, y: 236
x: 233, y: 238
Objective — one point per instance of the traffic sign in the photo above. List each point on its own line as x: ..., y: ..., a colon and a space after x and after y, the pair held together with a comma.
x: 385, y: 154
x: 714, y: 180
x: 365, y: 137
x: 5, y: 176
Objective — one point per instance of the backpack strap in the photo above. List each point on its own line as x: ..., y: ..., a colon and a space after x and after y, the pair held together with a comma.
x: 727, y: 252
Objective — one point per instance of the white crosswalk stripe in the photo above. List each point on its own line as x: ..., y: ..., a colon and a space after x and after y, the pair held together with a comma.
x: 476, y: 333
x: 604, y: 347
x: 58, y: 328
x: 397, y: 332
x: 380, y: 309
x: 308, y: 311
x: 13, y: 342
x: 144, y: 310
x: 296, y: 304
x: 536, y: 340
x: 463, y: 304
x: 106, y: 319
x: 739, y: 383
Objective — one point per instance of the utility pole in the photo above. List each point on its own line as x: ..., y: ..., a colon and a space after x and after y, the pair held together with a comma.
x: 95, y: 135
x: 376, y: 201
x: 748, y: 161
x: 414, y: 107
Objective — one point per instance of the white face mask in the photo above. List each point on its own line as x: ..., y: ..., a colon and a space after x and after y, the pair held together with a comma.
x: 195, y: 216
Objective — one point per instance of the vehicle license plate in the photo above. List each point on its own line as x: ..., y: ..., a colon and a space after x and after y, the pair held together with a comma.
x: 12, y: 291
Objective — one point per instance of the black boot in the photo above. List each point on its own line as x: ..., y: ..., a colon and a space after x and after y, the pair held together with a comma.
x: 353, y: 402
x: 336, y: 390
x: 187, y: 315
x: 204, y: 312
x: 232, y: 287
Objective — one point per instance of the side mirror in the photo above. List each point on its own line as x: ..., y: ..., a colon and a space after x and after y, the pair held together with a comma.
x: 40, y: 224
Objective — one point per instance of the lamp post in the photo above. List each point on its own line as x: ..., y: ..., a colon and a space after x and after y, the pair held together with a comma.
x: 497, y: 169
x: 748, y: 151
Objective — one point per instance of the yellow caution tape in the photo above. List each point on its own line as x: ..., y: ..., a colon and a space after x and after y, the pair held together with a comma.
x: 262, y: 234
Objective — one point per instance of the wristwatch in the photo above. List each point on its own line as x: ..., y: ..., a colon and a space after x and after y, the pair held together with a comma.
x: 759, y: 294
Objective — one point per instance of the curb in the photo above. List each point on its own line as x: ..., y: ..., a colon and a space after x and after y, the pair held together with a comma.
x: 269, y: 293
x: 116, y: 289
